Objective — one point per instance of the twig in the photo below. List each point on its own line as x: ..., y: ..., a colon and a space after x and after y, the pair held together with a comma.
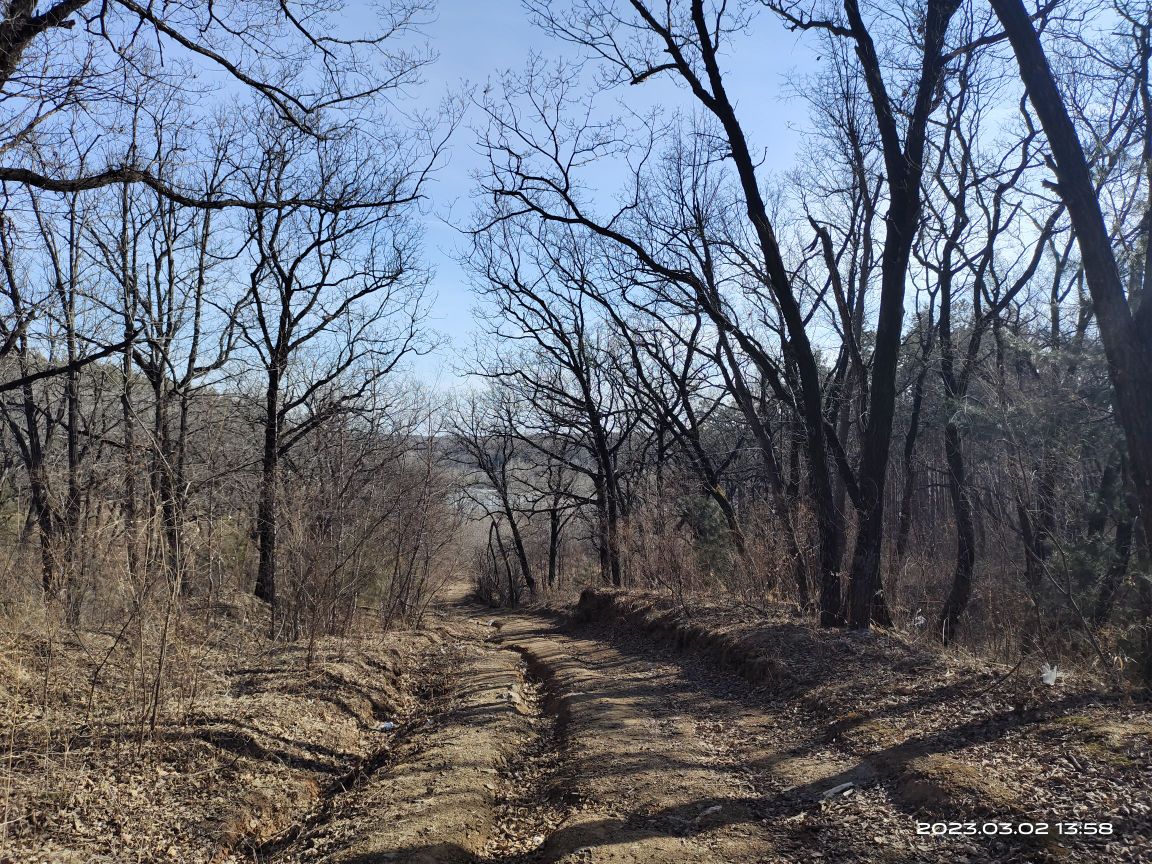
x: 996, y: 683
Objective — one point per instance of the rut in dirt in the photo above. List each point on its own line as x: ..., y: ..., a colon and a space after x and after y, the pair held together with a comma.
x: 531, y: 796
x: 432, y: 679
x: 474, y: 776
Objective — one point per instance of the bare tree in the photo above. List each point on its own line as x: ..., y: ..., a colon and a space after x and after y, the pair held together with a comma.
x: 72, y: 58
x: 335, y: 301
x: 486, y: 440
x: 982, y: 206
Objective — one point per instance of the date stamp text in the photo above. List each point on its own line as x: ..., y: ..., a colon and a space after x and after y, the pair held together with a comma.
x: 1018, y: 829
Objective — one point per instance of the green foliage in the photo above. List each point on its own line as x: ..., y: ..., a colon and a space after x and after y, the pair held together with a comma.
x: 713, y: 544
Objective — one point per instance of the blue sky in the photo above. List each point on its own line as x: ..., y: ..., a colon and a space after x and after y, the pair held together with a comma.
x: 476, y: 40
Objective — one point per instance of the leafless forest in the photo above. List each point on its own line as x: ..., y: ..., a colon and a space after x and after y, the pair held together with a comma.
x: 902, y: 389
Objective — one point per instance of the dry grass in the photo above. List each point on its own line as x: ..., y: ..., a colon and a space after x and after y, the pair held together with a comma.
x: 241, y: 737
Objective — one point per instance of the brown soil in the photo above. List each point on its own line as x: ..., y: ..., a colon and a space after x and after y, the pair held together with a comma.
x: 626, y: 732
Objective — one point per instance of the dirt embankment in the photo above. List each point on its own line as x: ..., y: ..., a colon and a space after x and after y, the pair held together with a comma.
x: 945, y: 738
x: 248, y: 738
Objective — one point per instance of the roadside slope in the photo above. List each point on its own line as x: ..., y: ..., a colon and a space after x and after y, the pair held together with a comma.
x: 919, y: 735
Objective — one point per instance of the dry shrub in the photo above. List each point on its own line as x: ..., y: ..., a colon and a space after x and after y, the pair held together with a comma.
x: 229, y: 746
x: 663, y: 556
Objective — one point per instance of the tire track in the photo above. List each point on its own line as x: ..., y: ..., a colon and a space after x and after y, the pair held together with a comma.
x: 530, y: 798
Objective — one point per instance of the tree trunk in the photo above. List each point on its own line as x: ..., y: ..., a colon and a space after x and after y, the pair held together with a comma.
x: 40, y: 507
x: 266, y: 517
x: 961, y: 495
x: 1033, y: 551
x: 602, y: 533
x: 783, y: 498
x: 553, y: 545
x: 716, y: 492
x: 904, y: 165
x: 513, y: 588
x: 611, y: 510
x: 72, y: 501
x: 830, y: 533
x: 904, y: 519
x: 1125, y: 515
x: 518, y: 543
x: 129, y: 507
x: 829, y: 526
x: 866, y: 595
x: 163, y: 481
x: 1113, y: 578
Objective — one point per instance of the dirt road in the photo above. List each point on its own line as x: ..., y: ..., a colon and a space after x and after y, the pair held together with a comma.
x: 539, y: 741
